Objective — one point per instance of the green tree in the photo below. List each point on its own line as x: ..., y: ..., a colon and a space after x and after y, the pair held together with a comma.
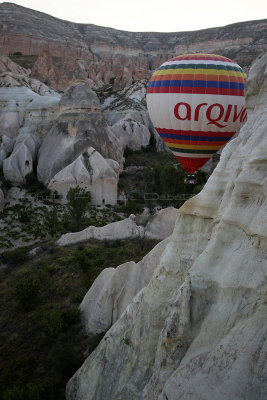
x: 169, y: 180
x: 51, y: 220
x: 78, y: 202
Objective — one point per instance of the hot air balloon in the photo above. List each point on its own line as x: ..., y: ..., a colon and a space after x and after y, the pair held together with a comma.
x: 196, y: 104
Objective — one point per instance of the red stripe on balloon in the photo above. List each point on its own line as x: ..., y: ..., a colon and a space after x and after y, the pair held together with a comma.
x: 179, y: 89
x: 194, y: 133
x: 202, y: 57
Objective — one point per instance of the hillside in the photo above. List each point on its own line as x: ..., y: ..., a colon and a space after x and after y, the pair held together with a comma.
x: 66, y: 50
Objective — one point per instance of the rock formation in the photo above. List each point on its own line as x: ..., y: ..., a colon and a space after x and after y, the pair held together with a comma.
x: 198, y: 329
x: 68, y: 50
x: 91, y: 172
x: 113, y: 231
x: 13, y: 102
x: 131, y: 133
x: 130, y: 104
x: 160, y: 226
x: 79, y: 125
x: 114, y: 289
x: 6, y: 148
x: 20, y: 162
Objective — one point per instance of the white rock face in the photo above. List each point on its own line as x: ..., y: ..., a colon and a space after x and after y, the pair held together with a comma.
x: 162, y: 224
x: 114, y: 289
x: 13, y: 102
x: 20, y: 162
x: 131, y: 133
x: 160, y: 227
x: 113, y: 231
x: 6, y: 148
x: 198, y: 329
x: 40, y: 115
x: 91, y: 172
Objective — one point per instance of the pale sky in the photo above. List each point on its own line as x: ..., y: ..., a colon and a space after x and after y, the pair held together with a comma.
x: 152, y: 15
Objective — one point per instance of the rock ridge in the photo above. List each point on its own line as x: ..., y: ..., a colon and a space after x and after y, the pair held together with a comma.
x: 69, y: 50
x: 198, y: 329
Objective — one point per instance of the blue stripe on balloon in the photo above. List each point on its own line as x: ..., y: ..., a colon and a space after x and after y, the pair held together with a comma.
x: 194, y: 138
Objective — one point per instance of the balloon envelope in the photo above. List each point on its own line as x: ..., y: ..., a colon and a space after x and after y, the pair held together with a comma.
x: 196, y: 103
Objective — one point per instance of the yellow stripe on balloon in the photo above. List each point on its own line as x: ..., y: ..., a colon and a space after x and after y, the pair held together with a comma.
x: 202, y: 71
x: 192, y: 146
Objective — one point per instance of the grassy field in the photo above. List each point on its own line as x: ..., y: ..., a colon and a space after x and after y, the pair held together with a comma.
x: 42, y: 342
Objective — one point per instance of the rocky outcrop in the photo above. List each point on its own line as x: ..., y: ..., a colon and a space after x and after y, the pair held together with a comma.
x: 127, y: 105
x: 91, y: 172
x: 20, y: 162
x: 40, y: 115
x: 115, y: 288
x: 79, y: 125
x: 69, y: 50
x: 162, y: 224
x: 13, y: 102
x: 113, y: 231
x: 198, y: 329
x: 159, y: 227
x: 6, y: 148
x: 131, y: 133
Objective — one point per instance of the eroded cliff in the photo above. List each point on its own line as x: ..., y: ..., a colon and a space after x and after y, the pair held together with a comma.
x: 198, y: 329
x: 68, y: 50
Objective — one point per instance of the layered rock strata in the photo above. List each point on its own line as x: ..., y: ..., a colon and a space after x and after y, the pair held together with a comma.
x: 68, y: 50
x: 198, y: 329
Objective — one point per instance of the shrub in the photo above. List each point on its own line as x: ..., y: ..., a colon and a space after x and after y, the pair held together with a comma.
x: 72, y: 316
x: 128, y: 151
x: 82, y: 259
x: 6, y: 184
x: 78, y: 202
x: 18, y: 256
x: 52, y: 324
x: 27, y: 292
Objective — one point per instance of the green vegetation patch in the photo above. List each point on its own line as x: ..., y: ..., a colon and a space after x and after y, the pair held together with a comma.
x: 42, y: 341
x: 25, y: 61
x: 153, y: 179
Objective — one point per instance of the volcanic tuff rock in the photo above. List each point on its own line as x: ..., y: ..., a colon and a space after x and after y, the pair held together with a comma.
x: 198, y: 329
x: 69, y: 50
x: 131, y: 133
x: 91, y: 172
x: 130, y: 103
x: 20, y: 162
x: 13, y: 102
x: 114, y: 289
x: 160, y: 226
x: 113, y: 231
x: 79, y: 125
